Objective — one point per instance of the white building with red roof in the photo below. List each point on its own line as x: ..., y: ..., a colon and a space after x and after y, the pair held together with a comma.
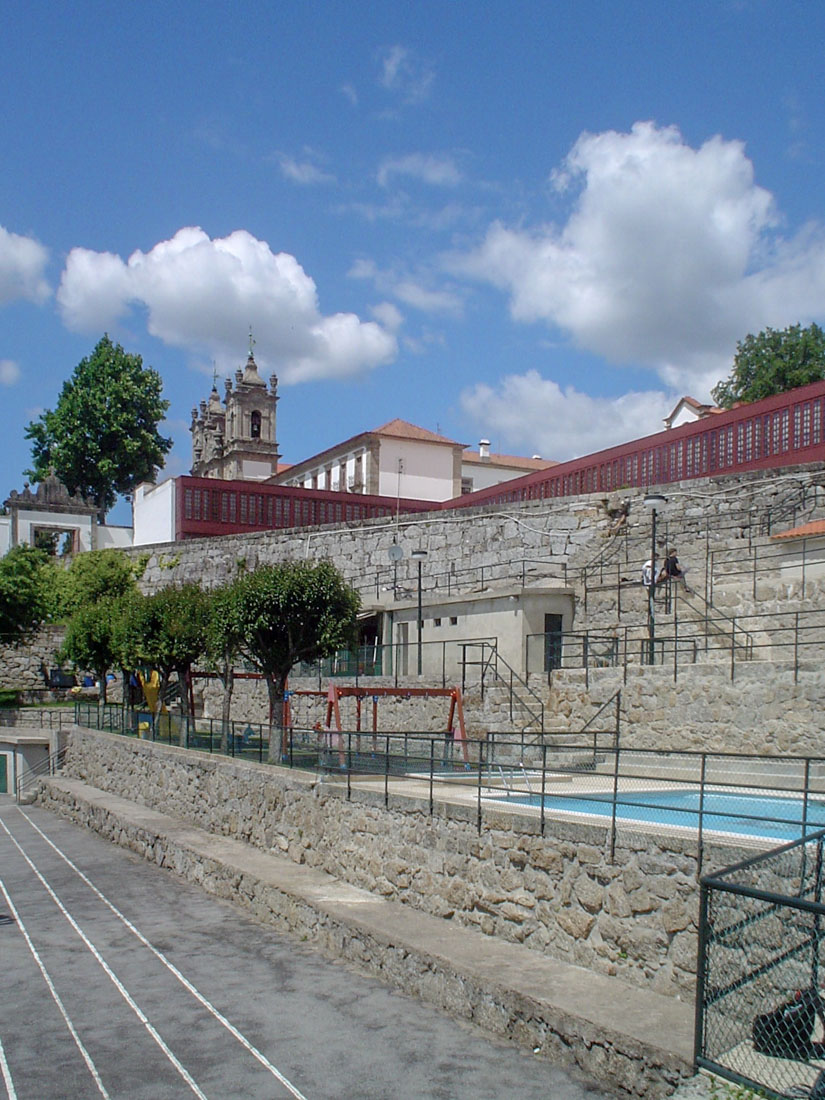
x: 688, y: 409
x: 401, y: 459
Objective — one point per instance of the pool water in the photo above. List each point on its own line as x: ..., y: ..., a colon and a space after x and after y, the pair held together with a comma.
x: 768, y: 816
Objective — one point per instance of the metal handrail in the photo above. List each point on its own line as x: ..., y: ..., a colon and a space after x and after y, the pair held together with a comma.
x: 490, y: 660
x: 52, y: 764
x: 791, y: 631
x: 55, y: 717
x: 761, y: 519
x: 474, y: 577
x: 746, y: 647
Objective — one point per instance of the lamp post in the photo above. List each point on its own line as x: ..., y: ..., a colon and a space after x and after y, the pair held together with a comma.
x: 654, y: 502
x: 419, y: 556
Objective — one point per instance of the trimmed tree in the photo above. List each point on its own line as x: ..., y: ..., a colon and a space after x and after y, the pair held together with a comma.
x: 291, y: 612
x: 223, y: 646
x: 101, y: 438
x: 92, y: 638
x: 26, y: 588
x: 167, y: 631
x: 95, y: 575
x: 773, y: 362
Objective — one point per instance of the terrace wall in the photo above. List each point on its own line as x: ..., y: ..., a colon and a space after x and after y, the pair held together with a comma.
x: 633, y: 915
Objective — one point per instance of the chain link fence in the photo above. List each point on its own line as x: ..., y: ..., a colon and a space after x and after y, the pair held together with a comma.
x: 760, y: 1020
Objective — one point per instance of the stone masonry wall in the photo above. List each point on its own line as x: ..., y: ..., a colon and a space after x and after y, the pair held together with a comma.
x: 761, y: 711
x: 250, y: 703
x: 560, y: 894
x: 27, y: 666
x: 571, y: 530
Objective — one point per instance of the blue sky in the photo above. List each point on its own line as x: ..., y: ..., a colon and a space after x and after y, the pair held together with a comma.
x: 539, y: 223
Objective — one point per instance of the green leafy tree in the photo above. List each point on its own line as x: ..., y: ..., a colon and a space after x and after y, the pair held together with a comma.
x: 167, y: 631
x: 223, y: 646
x: 291, y: 612
x: 26, y: 584
x: 101, y: 439
x: 92, y: 639
x: 93, y: 576
x: 773, y: 362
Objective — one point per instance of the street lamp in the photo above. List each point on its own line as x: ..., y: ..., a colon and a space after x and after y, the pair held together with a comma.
x: 654, y: 502
x: 419, y: 556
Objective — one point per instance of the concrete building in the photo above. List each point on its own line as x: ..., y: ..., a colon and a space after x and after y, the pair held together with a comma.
x: 483, y: 468
x: 405, y: 460
x: 397, y: 459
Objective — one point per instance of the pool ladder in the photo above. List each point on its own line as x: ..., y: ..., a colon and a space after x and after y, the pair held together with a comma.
x: 513, y: 771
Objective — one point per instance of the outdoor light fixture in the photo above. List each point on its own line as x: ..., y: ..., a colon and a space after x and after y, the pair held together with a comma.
x: 419, y: 556
x: 654, y: 502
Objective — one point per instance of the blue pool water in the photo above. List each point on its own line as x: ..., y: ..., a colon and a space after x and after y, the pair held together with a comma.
x: 771, y: 817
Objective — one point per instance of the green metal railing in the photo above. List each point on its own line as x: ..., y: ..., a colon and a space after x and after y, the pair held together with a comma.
x: 548, y: 781
x: 783, y: 637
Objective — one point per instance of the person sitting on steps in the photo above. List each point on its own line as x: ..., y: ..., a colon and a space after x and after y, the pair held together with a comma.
x: 671, y: 570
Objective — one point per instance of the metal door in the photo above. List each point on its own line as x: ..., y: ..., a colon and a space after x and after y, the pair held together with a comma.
x: 552, y: 642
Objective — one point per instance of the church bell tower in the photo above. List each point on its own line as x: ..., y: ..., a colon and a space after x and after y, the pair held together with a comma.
x: 236, y: 440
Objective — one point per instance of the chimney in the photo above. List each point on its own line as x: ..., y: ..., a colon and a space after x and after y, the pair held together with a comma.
x: 484, y: 450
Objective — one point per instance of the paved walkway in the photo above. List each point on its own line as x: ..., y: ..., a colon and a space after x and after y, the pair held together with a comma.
x: 624, y: 1036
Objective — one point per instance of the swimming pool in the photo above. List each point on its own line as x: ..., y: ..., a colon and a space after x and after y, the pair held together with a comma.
x: 770, y: 817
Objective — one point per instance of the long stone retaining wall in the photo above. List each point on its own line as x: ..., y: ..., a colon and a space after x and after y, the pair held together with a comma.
x: 633, y: 915
x: 570, y: 530
x: 762, y: 710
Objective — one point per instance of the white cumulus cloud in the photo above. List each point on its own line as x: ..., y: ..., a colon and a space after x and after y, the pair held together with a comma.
x: 22, y: 263
x: 201, y: 294
x: 669, y: 256
x: 9, y: 372
x: 528, y: 414
x: 388, y: 315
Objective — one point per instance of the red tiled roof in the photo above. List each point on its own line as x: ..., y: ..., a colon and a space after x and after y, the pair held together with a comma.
x: 815, y: 527
x: 518, y: 462
x: 698, y: 406
x: 403, y: 429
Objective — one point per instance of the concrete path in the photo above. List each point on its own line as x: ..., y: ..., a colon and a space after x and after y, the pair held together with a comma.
x: 626, y: 1037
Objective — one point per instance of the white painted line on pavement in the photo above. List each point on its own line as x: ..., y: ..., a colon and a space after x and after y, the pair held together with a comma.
x: 118, y: 984
x: 4, y: 1067
x: 87, y: 1058
x: 230, y: 1027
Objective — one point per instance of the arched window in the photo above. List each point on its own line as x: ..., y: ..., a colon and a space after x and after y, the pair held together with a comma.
x: 256, y: 425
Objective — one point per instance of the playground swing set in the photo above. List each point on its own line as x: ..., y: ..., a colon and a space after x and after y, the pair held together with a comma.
x: 331, y: 731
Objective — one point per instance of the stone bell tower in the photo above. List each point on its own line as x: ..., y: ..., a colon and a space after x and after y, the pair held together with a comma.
x: 236, y: 440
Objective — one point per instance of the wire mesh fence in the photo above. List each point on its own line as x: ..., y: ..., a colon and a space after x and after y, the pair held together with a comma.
x: 706, y: 804
x: 760, y: 1019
